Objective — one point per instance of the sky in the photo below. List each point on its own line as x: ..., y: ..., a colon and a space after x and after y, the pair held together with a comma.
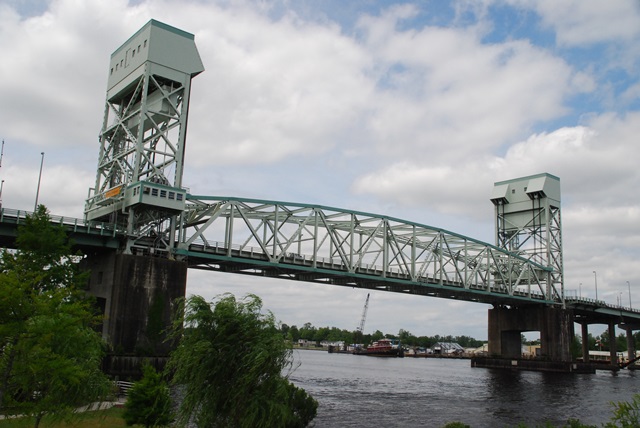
x: 407, y: 109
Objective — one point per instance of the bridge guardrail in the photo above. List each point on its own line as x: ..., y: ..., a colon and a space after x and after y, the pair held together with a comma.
x: 599, y: 303
x: 13, y: 216
x: 335, y: 264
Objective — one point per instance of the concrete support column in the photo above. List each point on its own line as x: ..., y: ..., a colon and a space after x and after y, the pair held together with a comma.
x: 504, y: 335
x: 631, y: 346
x: 585, y: 342
x: 612, y: 344
x: 554, y: 324
x: 137, y: 295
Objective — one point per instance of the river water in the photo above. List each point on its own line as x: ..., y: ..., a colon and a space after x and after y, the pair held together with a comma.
x: 356, y: 391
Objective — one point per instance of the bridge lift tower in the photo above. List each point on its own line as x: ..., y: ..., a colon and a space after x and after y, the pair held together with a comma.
x: 528, y: 224
x: 139, y: 186
x: 142, y: 142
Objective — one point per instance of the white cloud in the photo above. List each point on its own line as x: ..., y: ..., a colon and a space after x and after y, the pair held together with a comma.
x: 579, y: 22
x: 273, y: 89
x: 442, y: 88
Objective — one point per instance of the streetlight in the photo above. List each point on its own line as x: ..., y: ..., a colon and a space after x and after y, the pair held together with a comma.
x: 580, y: 290
x: 35, y: 207
x: 620, y: 298
x: 595, y: 278
x: 628, y: 285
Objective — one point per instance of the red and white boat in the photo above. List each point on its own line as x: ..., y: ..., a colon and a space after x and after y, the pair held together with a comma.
x: 382, y: 348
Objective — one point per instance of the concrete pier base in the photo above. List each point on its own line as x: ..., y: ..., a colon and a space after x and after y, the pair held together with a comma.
x: 136, y: 295
x: 554, y: 324
x: 533, y: 365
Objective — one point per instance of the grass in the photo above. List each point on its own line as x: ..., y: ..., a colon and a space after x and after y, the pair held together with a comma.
x: 109, y: 418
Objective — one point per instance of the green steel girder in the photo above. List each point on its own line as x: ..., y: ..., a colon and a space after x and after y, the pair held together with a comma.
x: 303, y: 240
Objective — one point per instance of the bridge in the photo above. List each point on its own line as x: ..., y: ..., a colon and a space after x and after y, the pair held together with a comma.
x: 342, y: 248
x: 142, y: 229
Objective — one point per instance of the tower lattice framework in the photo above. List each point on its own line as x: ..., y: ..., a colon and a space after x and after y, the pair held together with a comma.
x: 142, y: 141
x: 528, y: 223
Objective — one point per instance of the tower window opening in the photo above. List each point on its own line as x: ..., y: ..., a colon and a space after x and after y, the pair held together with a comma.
x: 145, y: 43
x: 154, y: 192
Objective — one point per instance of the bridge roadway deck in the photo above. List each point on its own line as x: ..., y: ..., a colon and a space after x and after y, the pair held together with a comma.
x: 89, y: 236
x: 297, y: 267
x: 85, y: 235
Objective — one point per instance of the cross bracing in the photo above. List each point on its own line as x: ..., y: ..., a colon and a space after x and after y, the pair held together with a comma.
x: 329, y: 245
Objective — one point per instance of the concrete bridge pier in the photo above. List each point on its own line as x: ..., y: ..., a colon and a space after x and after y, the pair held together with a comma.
x: 631, y: 345
x: 136, y: 294
x: 613, y: 354
x: 630, y: 327
x: 554, y: 324
x: 585, y: 341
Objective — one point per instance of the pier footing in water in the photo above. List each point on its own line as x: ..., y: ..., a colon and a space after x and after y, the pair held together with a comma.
x: 533, y: 365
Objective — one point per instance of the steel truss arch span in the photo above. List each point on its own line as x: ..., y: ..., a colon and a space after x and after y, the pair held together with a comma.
x: 330, y: 245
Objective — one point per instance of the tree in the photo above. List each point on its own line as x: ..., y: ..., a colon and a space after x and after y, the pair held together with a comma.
x: 230, y: 362
x: 377, y: 335
x: 148, y: 402
x: 49, y: 353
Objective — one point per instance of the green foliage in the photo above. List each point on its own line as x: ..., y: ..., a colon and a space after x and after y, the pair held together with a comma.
x: 49, y: 353
x: 148, y: 402
x: 456, y: 425
x: 626, y: 414
x: 620, y: 342
x: 334, y: 334
x: 230, y: 361
x: 576, y: 347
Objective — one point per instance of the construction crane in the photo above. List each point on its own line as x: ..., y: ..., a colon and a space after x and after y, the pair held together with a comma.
x: 364, y: 315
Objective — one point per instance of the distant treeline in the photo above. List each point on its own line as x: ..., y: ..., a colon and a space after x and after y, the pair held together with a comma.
x: 334, y: 334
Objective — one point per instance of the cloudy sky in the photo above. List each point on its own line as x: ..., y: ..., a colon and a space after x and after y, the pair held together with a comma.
x: 409, y: 109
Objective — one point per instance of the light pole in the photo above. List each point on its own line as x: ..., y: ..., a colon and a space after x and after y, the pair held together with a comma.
x: 628, y: 285
x: 2, y: 185
x: 595, y: 278
x: 620, y: 298
x: 35, y: 207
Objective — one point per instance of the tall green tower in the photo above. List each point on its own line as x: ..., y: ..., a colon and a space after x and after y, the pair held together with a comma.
x: 142, y: 142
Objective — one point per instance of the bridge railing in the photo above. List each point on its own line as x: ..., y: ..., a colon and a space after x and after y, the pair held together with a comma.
x: 354, y: 241
x: 336, y: 264
x: 18, y: 217
x: 574, y: 300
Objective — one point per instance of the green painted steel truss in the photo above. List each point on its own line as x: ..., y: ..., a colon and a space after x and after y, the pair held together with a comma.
x: 356, y: 249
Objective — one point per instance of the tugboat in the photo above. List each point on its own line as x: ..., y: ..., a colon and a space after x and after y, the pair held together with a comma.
x: 382, y: 348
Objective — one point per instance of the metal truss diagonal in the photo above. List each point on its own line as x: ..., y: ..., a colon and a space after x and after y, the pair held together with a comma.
x: 329, y: 245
